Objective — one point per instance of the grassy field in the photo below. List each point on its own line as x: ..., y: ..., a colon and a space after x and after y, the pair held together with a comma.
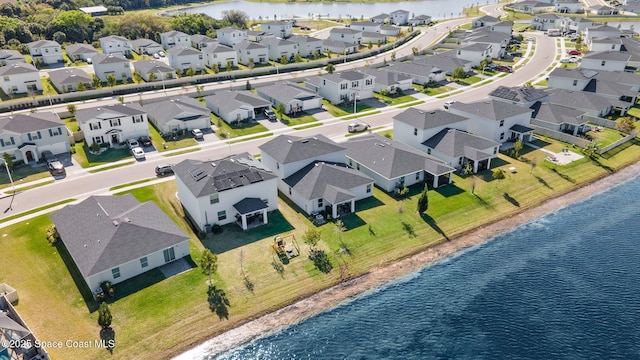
x: 155, y: 317
x: 342, y: 110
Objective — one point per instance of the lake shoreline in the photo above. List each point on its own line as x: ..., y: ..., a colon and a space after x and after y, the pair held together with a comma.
x: 380, y: 276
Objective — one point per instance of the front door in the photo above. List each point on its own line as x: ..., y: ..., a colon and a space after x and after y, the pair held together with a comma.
x: 29, y: 156
x: 114, y: 139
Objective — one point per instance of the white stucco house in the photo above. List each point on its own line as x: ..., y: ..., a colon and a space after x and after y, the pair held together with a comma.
x: 231, y: 36
x: 236, y: 189
x: 45, y: 52
x: 475, y: 53
x: 8, y: 57
x: 343, y: 86
x: 571, y: 79
x: 387, y: 81
x: 115, y: 238
x: 483, y: 21
x: 113, y: 124
x: 180, y: 114
x: 420, y: 20
x: 399, y: 17
x: 145, y: 46
x: 605, y: 60
x: 277, y: 48
x: 79, y: 51
x: 25, y: 136
x: 220, y: 55
x: 69, y: 79
x: 114, y: 44
x: 233, y: 106
x: 19, y: 78
x: 600, y: 30
x: 184, y: 58
x: 116, y: 65
x: 293, y: 97
x: 307, y: 46
x: 347, y: 35
x: 544, y: 22
x: 154, y: 70
x: 338, y: 47
x: 200, y: 41
x: 599, y: 44
x: 255, y: 52
x: 174, y: 38
x: 366, y: 26
x: 281, y: 29
x: 568, y: 6
x: 419, y: 73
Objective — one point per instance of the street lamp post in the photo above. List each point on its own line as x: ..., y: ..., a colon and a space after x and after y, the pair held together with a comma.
x: 13, y: 187
x: 355, y: 97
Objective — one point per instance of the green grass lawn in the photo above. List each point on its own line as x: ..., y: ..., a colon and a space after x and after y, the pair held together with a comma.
x: 161, y: 144
x: 470, y: 80
x: 299, y: 119
x: 634, y: 111
x: 394, y: 100
x: 432, y: 90
x: 332, y: 109
x: 155, y: 317
x: 344, y: 109
x: 71, y: 123
x: 542, y: 83
x: 226, y: 131
x: 22, y: 174
x: 85, y: 159
x: 606, y: 136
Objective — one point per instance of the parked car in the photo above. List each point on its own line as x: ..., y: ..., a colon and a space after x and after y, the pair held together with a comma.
x: 138, y: 153
x: 56, y: 168
x: 161, y: 54
x: 133, y: 143
x: 571, y: 59
x: 89, y: 61
x: 48, y: 156
x: 516, y: 54
x: 448, y: 104
x: 357, y: 127
x: 504, y: 68
x: 197, y: 134
x: 270, y: 114
x: 164, y: 169
x: 574, y: 52
x: 156, y: 56
x: 144, y: 140
x: 531, y: 39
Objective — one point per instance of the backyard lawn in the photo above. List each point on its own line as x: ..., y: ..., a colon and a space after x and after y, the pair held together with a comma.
x: 155, y: 317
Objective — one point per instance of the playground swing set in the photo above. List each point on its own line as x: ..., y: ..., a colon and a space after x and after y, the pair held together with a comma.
x: 286, y: 247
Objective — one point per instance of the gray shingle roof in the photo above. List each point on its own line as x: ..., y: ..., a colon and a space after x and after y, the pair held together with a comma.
x: 114, y: 38
x: 229, y: 100
x: 610, y: 88
x: 621, y: 77
x: 313, y: 180
x: 42, y: 43
x: 518, y: 94
x: 575, y: 74
x: 287, y: 92
x: 173, y: 33
x: 287, y: 148
x: 303, y: 39
x: 143, y: 43
x: 17, y: 68
x: 456, y: 143
x: 392, y: 159
x: 199, y: 38
x: 446, y: 61
x: 428, y: 119
x: 412, y: 69
x: 183, y: 51
x: 490, y: 109
x: 152, y: 66
x: 384, y: 77
x: 182, y: 108
x: 341, y: 30
x: 80, y: 48
x: 558, y: 114
x: 69, y: 76
x: 204, y: 179
x: 249, y: 205
x: 608, y: 55
x: 214, y: 48
x: 24, y: 123
x: 248, y: 45
x: 276, y: 41
x: 6, y: 54
x: 584, y: 100
x: 103, y: 232
x: 109, y: 59
x: 108, y: 112
x: 336, y: 43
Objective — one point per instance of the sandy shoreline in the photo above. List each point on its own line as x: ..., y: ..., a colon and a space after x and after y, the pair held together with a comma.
x: 376, y: 277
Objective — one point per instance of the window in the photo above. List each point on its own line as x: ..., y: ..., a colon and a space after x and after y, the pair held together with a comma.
x: 495, y: 150
x: 502, y: 136
x: 169, y: 255
x: 418, y: 176
x: 429, y: 151
x: 1, y: 142
x: 6, y: 78
x: 97, y: 139
x: 368, y: 188
x: 460, y: 161
x: 278, y: 165
x: 95, y: 126
x: 144, y: 262
x: 575, y: 82
x: 222, y: 215
x: 289, y: 190
x: 355, y: 84
x: 137, y: 119
x: 320, y: 203
x: 501, y: 123
x: 415, y: 131
x: 357, y: 166
x: 115, y: 272
x: 343, y: 86
x: 214, y: 198
x: 265, y: 201
x: 369, y: 82
x: 114, y: 122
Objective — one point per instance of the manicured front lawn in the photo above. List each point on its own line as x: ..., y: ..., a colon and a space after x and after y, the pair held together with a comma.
x: 161, y: 144
x: 22, y: 174
x: 344, y: 109
x: 226, y: 131
x: 83, y: 157
x: 433, y: 90
x: 470, y: 80
x: 395, y: 100
x: 301, y: 118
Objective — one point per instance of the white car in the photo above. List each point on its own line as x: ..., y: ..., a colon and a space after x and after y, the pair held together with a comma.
x: 138, y: 153
x: 197, y: 134
x: 357, y: 127
x: 133, y: 143
x: 448, y: 104
x: 156, y: 56
x: 571, y: 59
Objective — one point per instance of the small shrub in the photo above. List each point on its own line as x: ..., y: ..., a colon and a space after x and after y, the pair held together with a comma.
x: 52, y: 234
x: 498, y: 174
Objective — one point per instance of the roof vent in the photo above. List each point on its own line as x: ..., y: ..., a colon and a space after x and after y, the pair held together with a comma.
x: 115, y: 222
x: 315, y: 138
x: 127, y: 219
x: 421, y: 112
x: 316, y: 164
x: 289, y: 141
x: 213, y: 164
x: 304, y: 141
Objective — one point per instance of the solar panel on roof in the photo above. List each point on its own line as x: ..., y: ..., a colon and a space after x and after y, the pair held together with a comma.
x: 222, y: 184
x: 198, y: 174
x: 254, y: 177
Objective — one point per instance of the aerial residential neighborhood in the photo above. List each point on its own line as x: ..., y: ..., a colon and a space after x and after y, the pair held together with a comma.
x: 213, y: 178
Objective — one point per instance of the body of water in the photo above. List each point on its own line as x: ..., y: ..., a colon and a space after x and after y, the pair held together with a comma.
x: 437, y: 9
x: 564, y: 286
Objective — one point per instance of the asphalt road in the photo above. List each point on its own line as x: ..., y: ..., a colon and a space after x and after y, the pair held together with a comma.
x: 79, y: 183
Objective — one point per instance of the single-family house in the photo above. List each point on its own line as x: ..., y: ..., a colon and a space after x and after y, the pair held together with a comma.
x: 420, y: 74
x: 293, y: 97
x: 115, y: 238
x: 338, y: 47
x: 413, y: 126
x: 568, y: 6
x: 605, y: 60
x: 45, y: 52
x: 576, y: 24
x: 614, y: 90
x: 531, y: 7
x: 603, y: 10
x: 247, y: 50
x: 258, y: 35
x: 281, y: 29
x: 446, y: 61
x: 69, y: 79
x: 498, y: 41
x: 622, y: 78
x: 366, y: 26
x: 394, y: 165
x: 373, y: 38
x: 8, y: 57
x: 308, y: 46
x: 600, y: 30
x: 174, y: 38
x: 200, y: 41
x: 19, y: 78
x: 599, y: 44
x: 277, y: 48
x: 483, y: 21
x: 631, y: 46
x: 575, y: 79
x: 390, y: 30
x: 544, y: 22
x: 145, y: 46
x: 220, y: 55
x: 522, y: 96
x: 180, y: 114
x: 153, y: 70
x: 231, y: 36
x: 81, y: 52
x: 116, y: 65
x: 380, y: 18
x: 591, y: 103
x: 420, y: 20
x: 113, y: 124
x: 457, y: 148
x: 114, y: 44
x: 14, y: 327
x: 233, y: 106
x: 388, y: 82
x: 505, y: 27
x: 558, y: 118
x: 25, y: 136
x: 347, y: 35
x: 399, y: 17
x: 237, y: 189
x: 184, y: 58
x: 475, y: 53
x: 496, y: 120
x: 343, y: 86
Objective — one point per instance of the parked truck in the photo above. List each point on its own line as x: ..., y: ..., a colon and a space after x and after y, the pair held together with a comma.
x: 554, y: 32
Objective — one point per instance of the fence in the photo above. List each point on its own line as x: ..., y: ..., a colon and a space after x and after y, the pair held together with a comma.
x: 600, y: 121
x: 557, y: 135
x: 629, y: 137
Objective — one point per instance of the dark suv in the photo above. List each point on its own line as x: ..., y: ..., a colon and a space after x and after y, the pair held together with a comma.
x: 270, y: 114
x: 54, y: 165
x: 164, y: 169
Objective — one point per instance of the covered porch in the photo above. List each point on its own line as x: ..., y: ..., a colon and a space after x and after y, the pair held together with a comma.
x: 340, y: 201
x: 438, y: 173
x: 517, y: 131
x: 115, y: 137
x: 479, y: 160
x: 252, y: 212
x: 29, y: 152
